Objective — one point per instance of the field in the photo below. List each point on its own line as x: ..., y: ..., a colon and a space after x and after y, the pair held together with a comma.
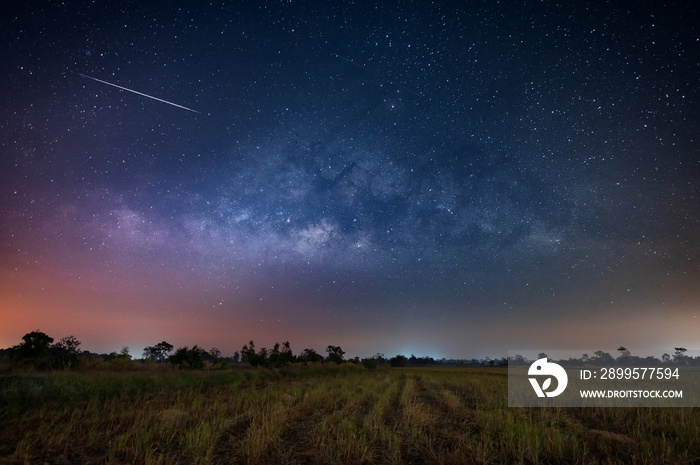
x: 319, y: 414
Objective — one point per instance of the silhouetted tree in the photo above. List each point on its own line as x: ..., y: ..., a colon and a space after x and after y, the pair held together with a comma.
x: 65, y: 352
x: 36, y: 344
x: 286, y: 355
x: 280, y: 355
x: 213, y: 356
x: 603, y: 358
x: 679, y: 355
x: 624, y: 353
x: 309, y: 356
x: 262, y: 357
x: 370, y: 363
x: 188, y: 358
x: 159, y: 352
x: 398, y: 361
x: 124, y: 353
x: 335, y: 354
x: 35, y: 350
x: 273, y: 358
x: 248, y: 354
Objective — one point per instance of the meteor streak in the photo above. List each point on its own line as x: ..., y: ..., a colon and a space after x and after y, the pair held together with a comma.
x: 139, y: 93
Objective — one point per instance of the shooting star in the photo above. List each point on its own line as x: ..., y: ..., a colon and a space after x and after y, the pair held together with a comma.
x: 138, y: 93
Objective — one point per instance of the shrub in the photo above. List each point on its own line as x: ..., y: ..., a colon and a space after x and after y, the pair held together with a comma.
x: 370, y: 363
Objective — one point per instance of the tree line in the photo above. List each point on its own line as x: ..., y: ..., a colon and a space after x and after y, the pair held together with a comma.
x: 624, y: 358
x: 39, y: 351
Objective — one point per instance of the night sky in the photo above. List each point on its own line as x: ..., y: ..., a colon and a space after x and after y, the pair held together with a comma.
x: 432, y: 178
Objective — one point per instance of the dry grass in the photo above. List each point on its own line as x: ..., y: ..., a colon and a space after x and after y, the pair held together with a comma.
x: 320, y: 414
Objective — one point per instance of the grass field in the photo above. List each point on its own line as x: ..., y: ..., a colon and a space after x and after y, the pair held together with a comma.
x: 319, y: 414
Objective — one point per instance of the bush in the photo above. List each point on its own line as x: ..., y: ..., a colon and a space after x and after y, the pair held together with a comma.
x: 188, y: 358
x: 370, y: 363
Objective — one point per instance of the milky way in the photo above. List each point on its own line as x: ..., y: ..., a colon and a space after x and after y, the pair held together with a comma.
x: 447, y: 180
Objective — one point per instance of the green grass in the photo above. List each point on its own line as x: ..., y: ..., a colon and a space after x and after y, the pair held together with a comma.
x: 320, y: 414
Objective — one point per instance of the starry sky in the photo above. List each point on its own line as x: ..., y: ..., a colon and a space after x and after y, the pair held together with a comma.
x: 451, y: 179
